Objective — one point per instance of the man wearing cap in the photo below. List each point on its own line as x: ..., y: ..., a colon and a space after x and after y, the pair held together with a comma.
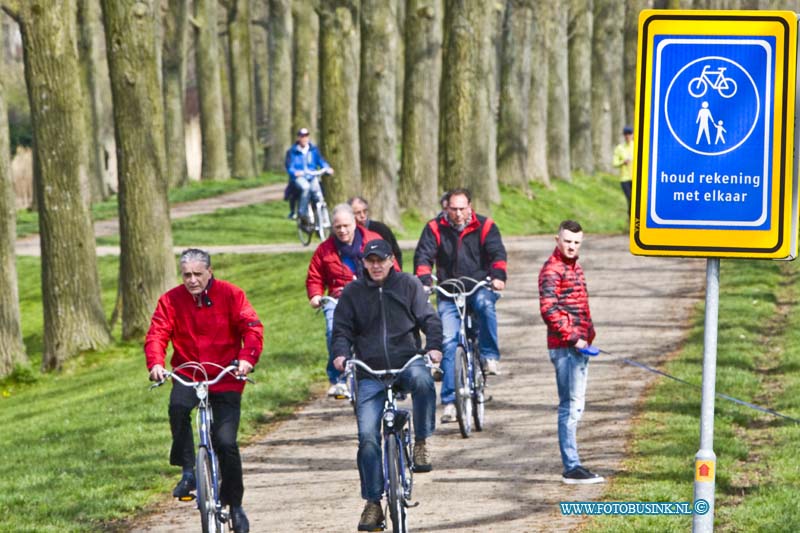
x: 301, y: 159
x: 623, y: 156
x: 379, y: 318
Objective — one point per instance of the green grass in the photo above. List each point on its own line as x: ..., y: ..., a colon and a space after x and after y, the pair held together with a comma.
x: 758, y: 360
x: 595, y: 201
x: 28, y: 221
x: 90, y: 444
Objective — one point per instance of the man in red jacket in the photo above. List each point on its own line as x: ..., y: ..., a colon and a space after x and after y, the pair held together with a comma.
x: 336, y: 262
x: 207, y: 320
x: 564, y: 305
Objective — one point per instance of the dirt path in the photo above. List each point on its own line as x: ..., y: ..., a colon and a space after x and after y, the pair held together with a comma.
x: 102, y: 228
x: 302, y: 475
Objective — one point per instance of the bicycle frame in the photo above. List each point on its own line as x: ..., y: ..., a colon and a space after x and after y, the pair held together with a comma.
x: 204, y: 421
x: 396, y: 432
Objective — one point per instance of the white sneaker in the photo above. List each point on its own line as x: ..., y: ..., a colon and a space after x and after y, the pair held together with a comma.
x: 492, y: 367
x: 449, y: 414
x: 340, y: 391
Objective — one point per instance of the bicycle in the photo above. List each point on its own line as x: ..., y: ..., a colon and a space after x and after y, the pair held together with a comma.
x: 470, y: 377
x: 726, y: 87
x: 398, y: 459
x: 213, y: 518
x: 317, y: 216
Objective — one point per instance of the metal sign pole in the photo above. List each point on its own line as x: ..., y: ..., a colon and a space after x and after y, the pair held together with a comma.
x: 706, y: 460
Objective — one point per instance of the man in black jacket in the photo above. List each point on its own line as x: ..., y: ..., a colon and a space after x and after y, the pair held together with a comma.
x: 379, y: 317
x: 460, y: 242
x: 361, y: 212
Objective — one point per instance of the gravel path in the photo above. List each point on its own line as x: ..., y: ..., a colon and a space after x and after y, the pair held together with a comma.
x: 301, y: 475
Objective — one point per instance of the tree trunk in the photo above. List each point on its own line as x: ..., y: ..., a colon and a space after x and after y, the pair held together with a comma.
x: 12, y: 350
x: 147, y: 264
x: 377, y: 105
x: 173, y: 66
x: 515, y: 86
x: 339, y: 69
x: 400, y: 54
x: 580, y: 85
x: 240, y: 62
x: 537, y: 99
x: 279, y: 133
x: 465, y: 156
x: 209, y: 88
x: 558, y: 151
x: 305, y: 91
x: 419, y: 182
x: 630, y: 53
x: 608, y: 107
x: 259, y: 31
x: 90, y: 32
x: 73, y: 312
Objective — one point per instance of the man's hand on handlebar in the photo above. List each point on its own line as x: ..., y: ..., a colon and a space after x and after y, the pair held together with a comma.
x: 498, y: 284
x: 315, y: 301
x: 158, y: 373
x: 244, y: 369
x: 435, y: 355
x: 338, y: 363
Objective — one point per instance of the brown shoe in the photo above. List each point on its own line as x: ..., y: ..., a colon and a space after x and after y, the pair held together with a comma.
x: 422, y: 457
x: 372, y: 518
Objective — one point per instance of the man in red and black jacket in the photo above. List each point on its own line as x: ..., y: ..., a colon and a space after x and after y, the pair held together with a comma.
x: 564, y: 306
x: 208, y: 321
x: 462, y: 243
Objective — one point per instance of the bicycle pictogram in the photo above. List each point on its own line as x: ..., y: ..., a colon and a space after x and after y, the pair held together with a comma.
x: 726, y: 87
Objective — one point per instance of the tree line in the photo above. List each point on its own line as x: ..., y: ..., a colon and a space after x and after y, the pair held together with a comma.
x: 406, y: 98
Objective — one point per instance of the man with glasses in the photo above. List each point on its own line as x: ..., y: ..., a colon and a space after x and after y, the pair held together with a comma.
x: 361, y: 212
x: 460, y: 242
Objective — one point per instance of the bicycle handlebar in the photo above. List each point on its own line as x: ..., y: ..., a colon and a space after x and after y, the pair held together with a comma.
x: 459, y: 286
x: 313, y: 173
x: 389, y: 372
x: 225, y: 370
x: 328, y: 299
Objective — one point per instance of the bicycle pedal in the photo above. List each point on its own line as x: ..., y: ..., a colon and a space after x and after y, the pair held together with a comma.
x: 189, y: 498
x: 341, y: 397
x: 409, y: 505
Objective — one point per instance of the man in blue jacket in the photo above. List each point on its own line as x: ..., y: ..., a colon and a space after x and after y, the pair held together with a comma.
x: 302, y: 159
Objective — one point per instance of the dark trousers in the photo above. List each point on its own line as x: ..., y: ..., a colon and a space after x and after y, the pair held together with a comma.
x: 626, y: 189
x: 226, y: 407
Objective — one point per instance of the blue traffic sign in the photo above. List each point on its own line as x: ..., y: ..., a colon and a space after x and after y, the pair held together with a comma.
x: 711, y: 151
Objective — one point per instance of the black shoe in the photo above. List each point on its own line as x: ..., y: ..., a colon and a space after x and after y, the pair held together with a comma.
x: 581, y: 476
x: 239, y: 521
x: 184, y: 487
x: 372, y: 518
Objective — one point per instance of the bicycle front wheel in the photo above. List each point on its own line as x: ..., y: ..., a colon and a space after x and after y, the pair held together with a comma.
x: 463, y: 395
x: 205, y: 491
x: 397, y: 506
x: 478, y: 385
x: 323, y: 222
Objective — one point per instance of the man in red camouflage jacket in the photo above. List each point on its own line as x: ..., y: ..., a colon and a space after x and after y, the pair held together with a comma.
x: 564, y: 305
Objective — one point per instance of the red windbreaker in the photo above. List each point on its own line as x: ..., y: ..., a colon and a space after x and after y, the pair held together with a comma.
x: 218, y: 327
x: 327, y: 270
x: 564, y: 302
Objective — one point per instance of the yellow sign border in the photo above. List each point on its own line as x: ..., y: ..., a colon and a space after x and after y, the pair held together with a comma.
x: 776, y: 243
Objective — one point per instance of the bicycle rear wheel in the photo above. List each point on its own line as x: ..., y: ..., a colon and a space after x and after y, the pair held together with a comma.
x: 478, y: 385
x: 304, y: 231
x: 397, y: 506
x: 463, y: 395
x: 205, y: 491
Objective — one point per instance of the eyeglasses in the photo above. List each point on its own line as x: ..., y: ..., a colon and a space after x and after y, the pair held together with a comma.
x: 457, y: 208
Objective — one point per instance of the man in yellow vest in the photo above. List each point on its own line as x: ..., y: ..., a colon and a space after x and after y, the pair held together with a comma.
x: 623, y: 156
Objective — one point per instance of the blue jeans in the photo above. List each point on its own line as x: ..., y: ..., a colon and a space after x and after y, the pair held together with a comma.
x: 370, y: 399
x: 328, y: 308
x: 572, y: 370
x: 482, y: 304
x: 308, y: 189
